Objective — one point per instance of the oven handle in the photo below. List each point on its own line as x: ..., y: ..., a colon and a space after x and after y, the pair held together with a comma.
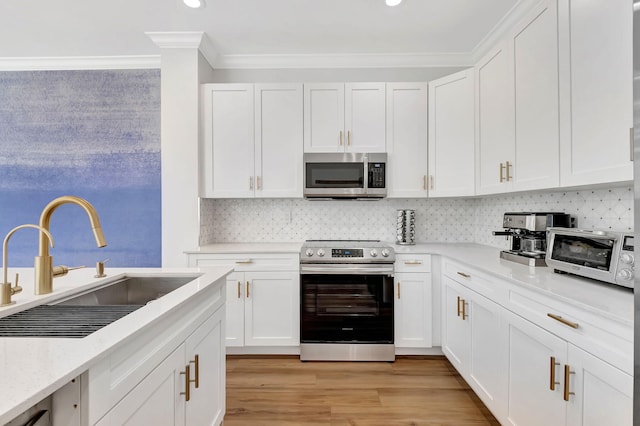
x: 347, y: 269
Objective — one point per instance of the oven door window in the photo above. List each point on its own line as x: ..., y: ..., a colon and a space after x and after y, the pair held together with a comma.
x: 346, y: 308
x: 583, y: 251
x: 334, y: 175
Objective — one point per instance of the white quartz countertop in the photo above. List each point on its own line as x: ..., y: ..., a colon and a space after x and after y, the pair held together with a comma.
x: 33, y: 368
x: 610, y: 301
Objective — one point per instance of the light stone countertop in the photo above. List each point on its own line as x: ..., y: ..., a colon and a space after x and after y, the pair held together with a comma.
x: 610, y: 301
x: 33, y: 368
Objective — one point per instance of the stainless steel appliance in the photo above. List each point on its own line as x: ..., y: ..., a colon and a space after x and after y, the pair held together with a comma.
x: 528, y: 233
x: 345, y: 175
x: 346, y: 298
x: 636, y: 204
x: 602, y: 255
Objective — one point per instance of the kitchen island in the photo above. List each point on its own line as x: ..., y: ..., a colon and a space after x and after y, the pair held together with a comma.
x: 32, y: 368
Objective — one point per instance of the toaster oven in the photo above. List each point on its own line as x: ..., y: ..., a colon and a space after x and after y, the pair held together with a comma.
x: 601, y: 255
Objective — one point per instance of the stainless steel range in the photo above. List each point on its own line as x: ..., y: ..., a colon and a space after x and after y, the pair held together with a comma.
x: 346, y: 310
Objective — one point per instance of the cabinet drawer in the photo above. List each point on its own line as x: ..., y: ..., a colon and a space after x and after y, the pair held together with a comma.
x: 605, y: 338
x: 413, y: 263
x: 488, y: 286
x: 248, y: 261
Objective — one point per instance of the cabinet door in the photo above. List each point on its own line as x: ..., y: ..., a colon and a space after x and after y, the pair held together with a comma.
x: 407, y: 139
x: 531, y: 399
x: 452, y: 135
x: 412, y: 310
x: 156, y: 400
x: 365, y: 117
x: 272, y: 309
x: 597, y: 99
x: 602, y: 394
x: 456, y: 329
x: 229, y: 141
x: 495, y: 122
x: 489, y: 353
x: 206, y: 355
x: 278, y: 141
x: 537, y: 133
x: 234, y: 327
x: 324, y: 117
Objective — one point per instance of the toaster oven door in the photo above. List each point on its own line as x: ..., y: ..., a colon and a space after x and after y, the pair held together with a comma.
x: 586, y: 254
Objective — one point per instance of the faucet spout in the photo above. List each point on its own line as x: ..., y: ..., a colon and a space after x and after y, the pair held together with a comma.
x: 44, y: 262
x: 7, y: 289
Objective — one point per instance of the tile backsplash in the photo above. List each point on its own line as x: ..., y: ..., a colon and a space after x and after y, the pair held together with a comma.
x: 441, y: 220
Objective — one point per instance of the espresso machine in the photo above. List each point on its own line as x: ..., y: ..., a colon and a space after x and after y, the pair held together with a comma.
x: 528, y: 234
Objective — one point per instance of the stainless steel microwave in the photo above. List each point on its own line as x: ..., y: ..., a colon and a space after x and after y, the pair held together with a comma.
x: 602, y: 255
x: 345, y: 175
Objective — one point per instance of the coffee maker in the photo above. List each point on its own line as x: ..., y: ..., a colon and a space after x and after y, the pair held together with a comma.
x: 528, y: 233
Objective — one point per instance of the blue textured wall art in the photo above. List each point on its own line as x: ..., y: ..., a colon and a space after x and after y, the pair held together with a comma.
x: 94, y: 134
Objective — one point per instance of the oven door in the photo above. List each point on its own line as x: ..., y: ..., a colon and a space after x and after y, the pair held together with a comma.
x: 346, y: 308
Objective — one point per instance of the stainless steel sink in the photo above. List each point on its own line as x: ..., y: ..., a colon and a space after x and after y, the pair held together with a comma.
x: 129, y: 291
x: 87, y: 312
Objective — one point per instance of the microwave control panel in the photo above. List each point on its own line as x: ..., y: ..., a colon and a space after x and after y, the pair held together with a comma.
x: 376, y: 175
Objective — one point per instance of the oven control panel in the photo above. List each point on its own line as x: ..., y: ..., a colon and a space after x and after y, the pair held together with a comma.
x: 346, y: 252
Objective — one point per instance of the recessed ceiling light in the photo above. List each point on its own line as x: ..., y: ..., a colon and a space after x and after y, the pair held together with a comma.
x: 194, y: 3
x: 393, y: 2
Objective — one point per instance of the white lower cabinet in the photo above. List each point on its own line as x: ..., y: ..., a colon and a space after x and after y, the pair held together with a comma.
x: 413, y: 307
x: 474, y: 340
x: 527, y: 367
x: 263, y: 298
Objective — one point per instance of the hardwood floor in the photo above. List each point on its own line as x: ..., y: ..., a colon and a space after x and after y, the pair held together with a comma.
x: 285, y: 391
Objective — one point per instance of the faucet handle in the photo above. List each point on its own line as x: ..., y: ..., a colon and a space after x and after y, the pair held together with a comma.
x: 16, y: 288
x: 62, y: 270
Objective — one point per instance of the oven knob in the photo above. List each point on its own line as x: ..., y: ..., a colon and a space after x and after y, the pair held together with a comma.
x: 626, y: 258
x: 309, y: 252
x: 385, y: 253
x: 320, y: 252
x: 625, y: 274
x: 373, y: 252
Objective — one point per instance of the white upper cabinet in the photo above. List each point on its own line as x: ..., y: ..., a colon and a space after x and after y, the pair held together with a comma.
x: 597, y: 94
x: 452, y: 135
x: 228, y: 160
x: 252, y: 141
x: 535, y: 70
x: 407, y: 139
x: 278, y: 140
x: 494, y: 112
x: 342, y: 117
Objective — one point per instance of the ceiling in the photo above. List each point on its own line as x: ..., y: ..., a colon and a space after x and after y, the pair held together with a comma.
x: 81, y: 28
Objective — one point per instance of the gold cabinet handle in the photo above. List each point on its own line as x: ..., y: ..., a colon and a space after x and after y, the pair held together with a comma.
x: 196, y: 362
x: 508, y: 167
x: 462, y: 274
x: 259, y: 183
x: 501, y: 172
x: 552, y: 373
x: 413, y: 262
x: 187, y: 382
x: 244, y: 261
x: 239, y: 294
x: 247, y: 289
x: 432, y: 178
x: 459, y: 300
x: 348, y: 137
x: 567, y: 377
x: 564, y: 321
x: 464, y: 310
x: 340, y: 137
x: 398, y: 289
x: 424, y: 182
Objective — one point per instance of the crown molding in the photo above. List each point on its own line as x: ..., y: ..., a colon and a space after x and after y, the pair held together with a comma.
x: 186, y: 40
x: 401, y: 60
x: 508, y: 21
x: 80, y: 63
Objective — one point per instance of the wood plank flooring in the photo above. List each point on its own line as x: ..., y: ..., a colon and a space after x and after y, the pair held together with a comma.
x: 284, y: 391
